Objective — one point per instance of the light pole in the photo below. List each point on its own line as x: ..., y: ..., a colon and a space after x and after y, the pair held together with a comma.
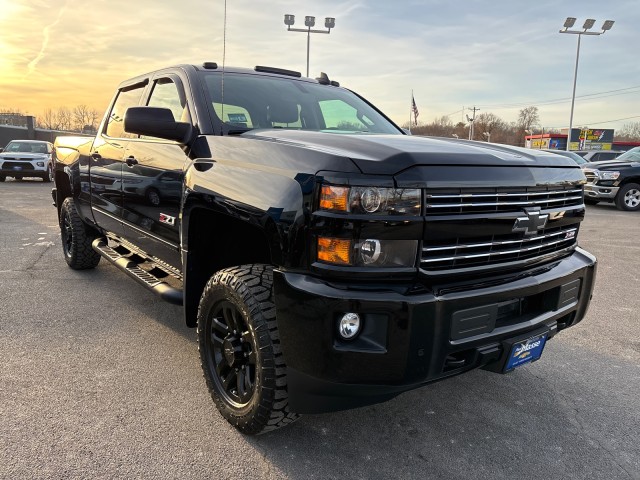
x: 588, y: 24
x: 309, y: 22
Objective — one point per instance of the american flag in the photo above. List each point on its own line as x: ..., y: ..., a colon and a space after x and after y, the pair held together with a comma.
x: 414, y: 109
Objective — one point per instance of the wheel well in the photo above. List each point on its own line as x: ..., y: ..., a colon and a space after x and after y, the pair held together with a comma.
x: 63, y: 188
x: 630, y: 180
x: 217, y: 241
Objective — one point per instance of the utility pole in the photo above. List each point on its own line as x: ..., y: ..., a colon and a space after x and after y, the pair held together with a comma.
x: 471, y: 120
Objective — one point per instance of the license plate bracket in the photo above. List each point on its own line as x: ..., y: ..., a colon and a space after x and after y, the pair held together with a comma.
x: 526, y: 351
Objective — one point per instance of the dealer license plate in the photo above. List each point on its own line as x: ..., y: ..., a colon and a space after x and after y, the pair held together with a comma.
x: 526, y: 351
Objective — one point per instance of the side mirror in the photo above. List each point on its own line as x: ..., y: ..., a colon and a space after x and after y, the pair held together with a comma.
x: 155, y: 122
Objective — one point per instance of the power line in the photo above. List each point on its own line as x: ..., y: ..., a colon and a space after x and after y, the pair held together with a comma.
x: 625, y: 91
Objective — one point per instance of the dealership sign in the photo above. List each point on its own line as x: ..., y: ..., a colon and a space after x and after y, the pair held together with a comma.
x: 591, y: 139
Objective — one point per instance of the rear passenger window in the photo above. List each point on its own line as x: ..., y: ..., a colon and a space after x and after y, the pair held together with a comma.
x: 126, y: 98
x: 166, y: 94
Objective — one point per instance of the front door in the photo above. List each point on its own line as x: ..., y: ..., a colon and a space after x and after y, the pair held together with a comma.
x: 152, y: 180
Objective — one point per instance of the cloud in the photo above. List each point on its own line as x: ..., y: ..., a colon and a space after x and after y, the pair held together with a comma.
x: 31, y: 67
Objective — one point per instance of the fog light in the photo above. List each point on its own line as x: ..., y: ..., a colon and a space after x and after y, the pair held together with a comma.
x: 40, y: 164
x: 349, y: 325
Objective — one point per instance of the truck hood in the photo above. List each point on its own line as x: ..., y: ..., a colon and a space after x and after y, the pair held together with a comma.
x: 609, y: 165
x: 391, y: 154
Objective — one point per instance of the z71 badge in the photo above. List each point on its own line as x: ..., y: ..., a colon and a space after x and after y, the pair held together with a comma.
x: 168, y: 219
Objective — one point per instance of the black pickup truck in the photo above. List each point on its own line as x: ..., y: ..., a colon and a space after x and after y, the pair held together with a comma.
x: 328, y: 259
x: 616, y: 181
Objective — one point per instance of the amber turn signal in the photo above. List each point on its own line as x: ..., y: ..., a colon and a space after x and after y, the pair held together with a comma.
x: 334, y: 198
x: 334, y: 250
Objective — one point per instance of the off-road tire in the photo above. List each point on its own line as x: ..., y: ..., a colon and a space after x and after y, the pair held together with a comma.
x: 242, y: 297
x: 77, y: 238
x: 590, y: 201
x: 628, y: 197
x: 2, y: 178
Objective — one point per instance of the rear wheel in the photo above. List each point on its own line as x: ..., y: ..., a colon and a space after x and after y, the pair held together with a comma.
x: 77, y: 238
x: 628, y: 197
x: 240, y: 349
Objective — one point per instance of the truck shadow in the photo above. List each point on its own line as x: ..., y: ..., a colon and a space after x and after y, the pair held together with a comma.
x: 479, y: 425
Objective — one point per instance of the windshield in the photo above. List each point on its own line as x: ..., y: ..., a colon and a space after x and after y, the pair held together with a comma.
x: 258, y: 101
x: 632, y: 155
x: 26, y: 147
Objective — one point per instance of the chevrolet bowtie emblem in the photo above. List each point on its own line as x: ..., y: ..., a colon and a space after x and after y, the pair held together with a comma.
x: 530, y: 224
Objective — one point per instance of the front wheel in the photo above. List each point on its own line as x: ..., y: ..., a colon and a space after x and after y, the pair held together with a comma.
x: 628, y: 197
x: 48, y: 177
x: 77, y: 238
x: 240, y: 349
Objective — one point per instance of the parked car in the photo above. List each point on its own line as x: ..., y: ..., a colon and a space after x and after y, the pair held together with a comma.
x: 572, y: 155
x: 26, y: 158
x: 599, y: 155
x: 616, y: 181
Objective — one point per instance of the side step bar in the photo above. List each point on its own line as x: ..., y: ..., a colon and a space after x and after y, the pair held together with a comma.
x: 167, y: 292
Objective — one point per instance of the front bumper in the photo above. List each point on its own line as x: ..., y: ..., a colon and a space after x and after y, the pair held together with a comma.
x: 411, y: 339
x: 598, y: 192
x: 22, y: 170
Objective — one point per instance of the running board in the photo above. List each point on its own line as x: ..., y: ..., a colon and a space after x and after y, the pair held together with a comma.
x: 123, y: 262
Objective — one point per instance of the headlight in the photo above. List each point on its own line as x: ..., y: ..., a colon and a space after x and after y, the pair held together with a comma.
x: 608, y: 175
x: 371, y: 200
x: 370, y: 252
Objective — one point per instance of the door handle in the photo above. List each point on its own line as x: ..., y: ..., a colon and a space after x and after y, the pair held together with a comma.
x: 131, y: 161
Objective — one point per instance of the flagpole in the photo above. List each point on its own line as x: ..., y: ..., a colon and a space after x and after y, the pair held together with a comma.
x: 410, y: 109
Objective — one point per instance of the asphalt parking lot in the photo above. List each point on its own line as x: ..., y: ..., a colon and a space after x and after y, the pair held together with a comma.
x: 101, y: 379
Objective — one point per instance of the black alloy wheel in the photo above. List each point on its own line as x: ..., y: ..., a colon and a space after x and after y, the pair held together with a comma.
x: 233, y: 354
x: 240, y: 349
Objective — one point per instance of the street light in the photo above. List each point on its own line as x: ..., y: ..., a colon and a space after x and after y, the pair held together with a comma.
x: 309, y: 22
x: 588, y: 24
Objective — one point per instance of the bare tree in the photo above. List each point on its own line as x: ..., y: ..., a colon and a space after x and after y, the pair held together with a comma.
x: 528, y: 117
x: 629, y: 132
x: 64, y: 118
x: 48, y: 119
x: 81, y: 117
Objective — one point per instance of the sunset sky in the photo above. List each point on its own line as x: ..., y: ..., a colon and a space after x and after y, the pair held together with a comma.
x: 500, y: 55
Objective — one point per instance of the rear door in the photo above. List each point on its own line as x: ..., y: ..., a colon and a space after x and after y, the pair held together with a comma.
x: 152, y: 179
x: 105, y: 166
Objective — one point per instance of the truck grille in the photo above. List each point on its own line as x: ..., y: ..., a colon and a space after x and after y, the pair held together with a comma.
x: 472, y: 230
x: 497, y: 249
x: 503, y: 200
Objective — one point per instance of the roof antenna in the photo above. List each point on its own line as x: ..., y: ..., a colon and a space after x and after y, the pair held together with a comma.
x: 224, y: 57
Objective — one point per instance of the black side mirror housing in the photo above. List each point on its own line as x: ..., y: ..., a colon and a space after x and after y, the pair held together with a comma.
x: 156, y: 122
